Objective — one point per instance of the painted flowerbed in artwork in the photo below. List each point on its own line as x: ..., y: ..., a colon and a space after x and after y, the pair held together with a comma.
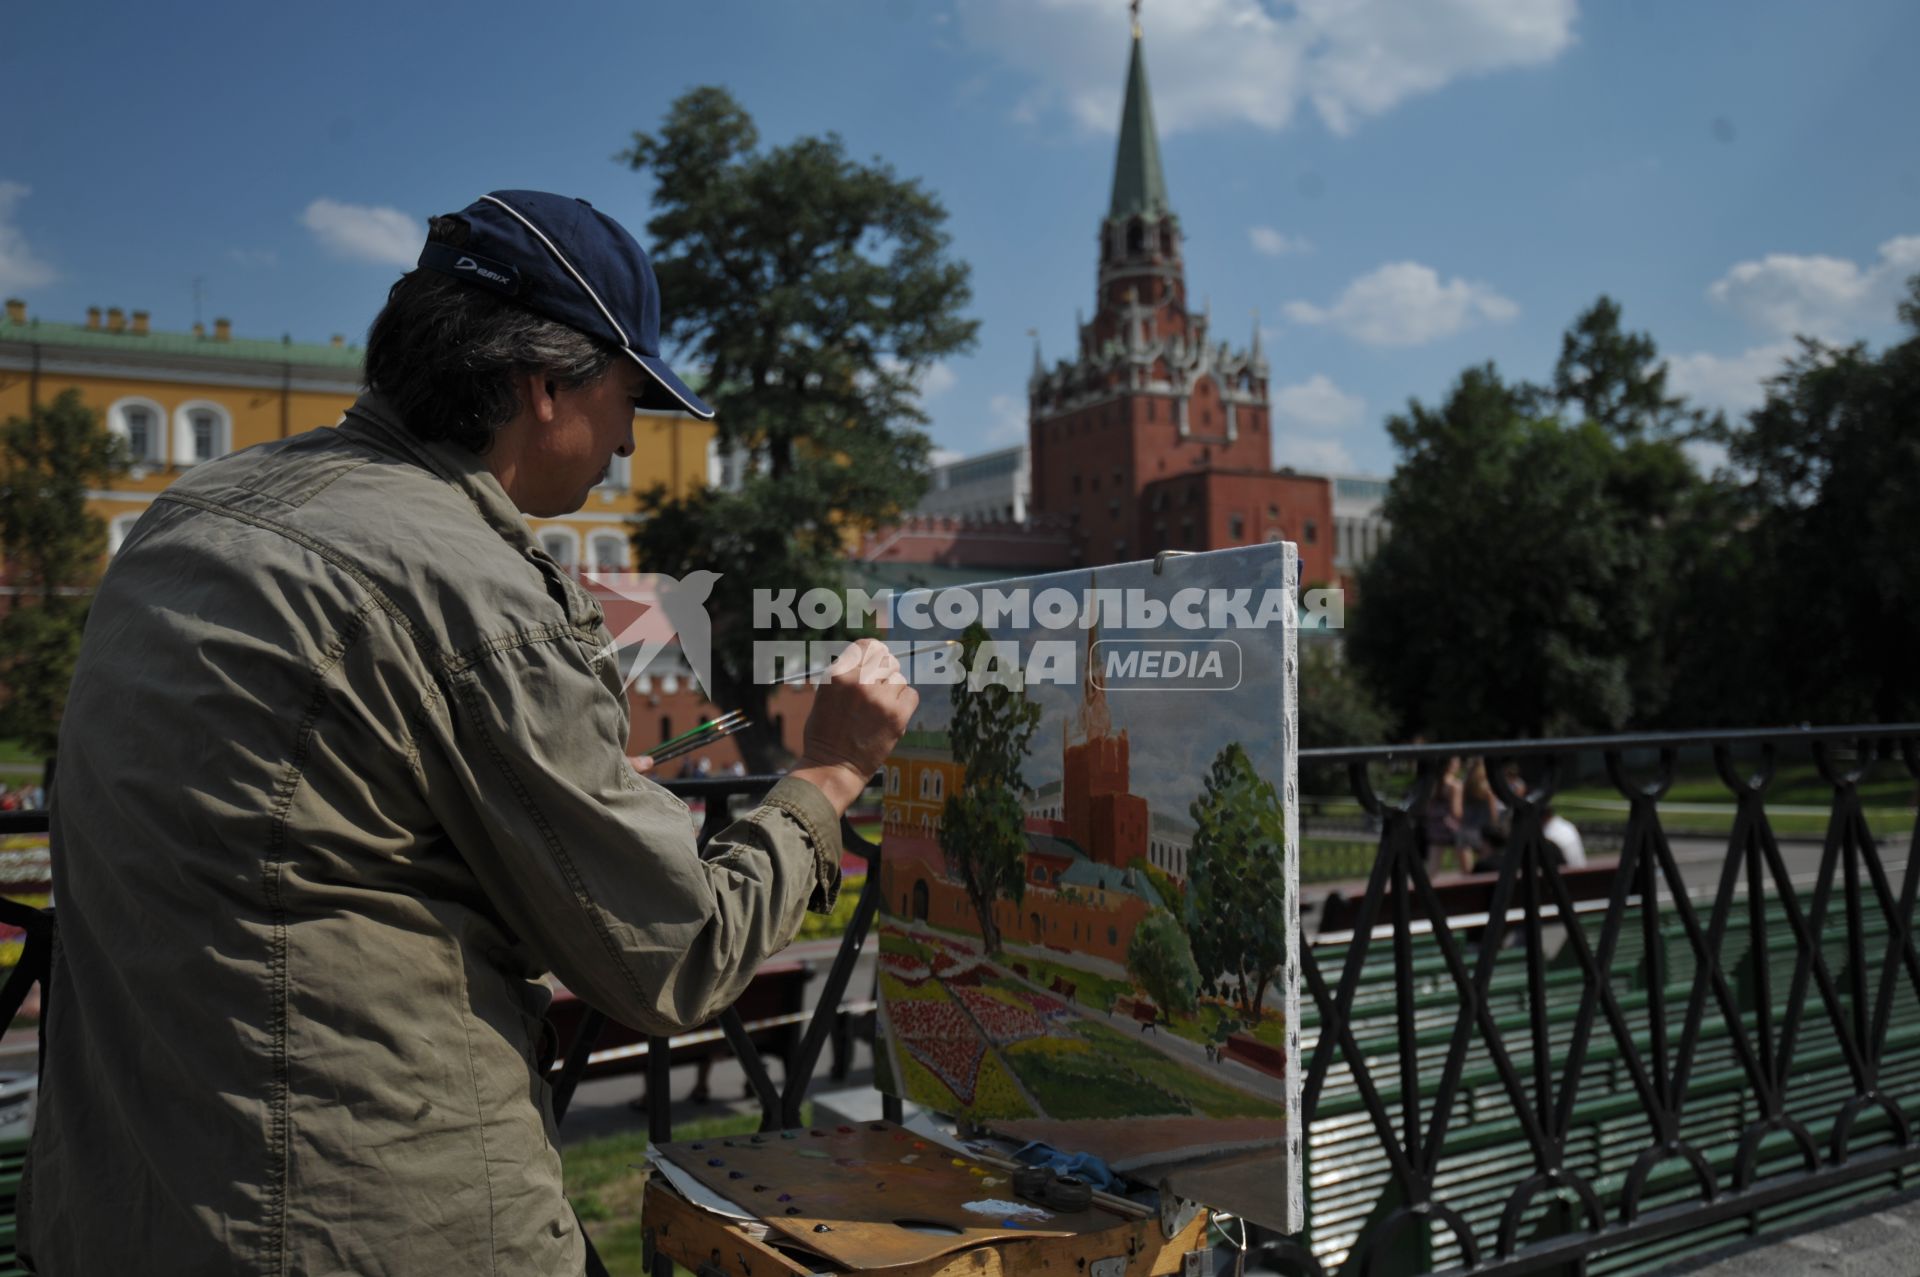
x: 940, y: 1037
x: 1002, y: 1021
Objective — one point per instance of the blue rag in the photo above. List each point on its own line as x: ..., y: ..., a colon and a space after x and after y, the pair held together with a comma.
x: 1084, y: 1166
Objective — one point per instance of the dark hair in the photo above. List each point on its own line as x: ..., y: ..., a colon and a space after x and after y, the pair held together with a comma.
x: 445, y: 354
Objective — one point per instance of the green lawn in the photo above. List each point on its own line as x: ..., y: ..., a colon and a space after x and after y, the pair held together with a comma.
x: 1090, y: 990
x: 1886, y: 793
x: 1122, y: 1077
x: 1200, y: 1092
x: 18, y: 763
x: 1088, y: 1084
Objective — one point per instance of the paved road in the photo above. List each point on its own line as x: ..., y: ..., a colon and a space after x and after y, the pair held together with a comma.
x: 1881, y: 1239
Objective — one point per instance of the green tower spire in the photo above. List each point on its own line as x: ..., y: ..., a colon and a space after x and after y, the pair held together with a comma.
x: 1139, y: 187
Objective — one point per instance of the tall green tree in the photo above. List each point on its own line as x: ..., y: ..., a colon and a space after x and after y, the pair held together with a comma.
x: 1236, y: 882
x: 983, y: 826
x: 1532, y: 581
x: 1617, y: 380
x: 51, y: 547
x: 1810, y: 610
x: 1336, y: 708
x: 815, y: 292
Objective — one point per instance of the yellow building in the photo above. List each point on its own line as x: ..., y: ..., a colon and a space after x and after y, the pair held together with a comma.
x: 178, y: 399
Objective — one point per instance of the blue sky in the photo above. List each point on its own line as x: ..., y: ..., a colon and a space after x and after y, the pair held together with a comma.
x: 1400, y: 188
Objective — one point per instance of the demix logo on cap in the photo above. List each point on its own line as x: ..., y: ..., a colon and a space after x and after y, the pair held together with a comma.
x: 467, y: 263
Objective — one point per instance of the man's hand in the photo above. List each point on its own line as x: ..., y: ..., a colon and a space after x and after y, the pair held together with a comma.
x: 858, y: 716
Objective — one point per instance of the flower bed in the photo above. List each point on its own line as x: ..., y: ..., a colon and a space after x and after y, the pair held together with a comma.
x: 1003, y: 1023
x: 905, y: 967
x: 941, y: 1037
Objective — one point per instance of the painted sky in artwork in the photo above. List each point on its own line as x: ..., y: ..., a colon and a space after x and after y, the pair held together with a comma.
x: 1174, y: 734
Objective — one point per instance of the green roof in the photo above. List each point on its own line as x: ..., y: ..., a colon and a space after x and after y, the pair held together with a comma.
x: 1139, y: 187
x: 75, y: 337
x: 924, y: 738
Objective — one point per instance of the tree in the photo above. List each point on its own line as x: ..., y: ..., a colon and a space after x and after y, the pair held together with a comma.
x: 1531, y: 585
x: 1237, y: 897
x: 1810, y: 610
x: 1618, y: 381
x: 815, y: 292
x: 1336, y: 709
x: 1161, y: 961
x: 51, y: 546
x: 983, y: 826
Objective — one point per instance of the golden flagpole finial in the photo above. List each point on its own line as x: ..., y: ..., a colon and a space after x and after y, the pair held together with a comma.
x: 1134, y: 6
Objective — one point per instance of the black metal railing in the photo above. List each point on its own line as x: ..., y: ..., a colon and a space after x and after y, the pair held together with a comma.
x: 1545, y: 1085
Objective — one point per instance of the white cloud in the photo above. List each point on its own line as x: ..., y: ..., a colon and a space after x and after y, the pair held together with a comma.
x: 1008, y: 421
x: 1317, y: 405
x: 365, y: 232
x: 251, y: 257
x: 1732, y: 383
x: 1406, y: 304
x: 1787, y: 293
x: 1316, y: 456
x: 1249, y: 62
x: 943, y: 456
x: 937, y: 380
x: 20, y: 267
x: 1273, y: 243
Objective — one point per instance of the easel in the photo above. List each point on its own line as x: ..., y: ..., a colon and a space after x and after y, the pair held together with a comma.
x: 877, y: 1199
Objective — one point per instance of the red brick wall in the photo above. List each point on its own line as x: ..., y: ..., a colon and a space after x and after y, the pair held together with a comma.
x: 1299, y: 508
x: 1040, y: 545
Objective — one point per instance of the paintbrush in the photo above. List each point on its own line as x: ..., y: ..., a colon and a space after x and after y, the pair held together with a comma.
x: 813, y: 675
x: 699, y: 737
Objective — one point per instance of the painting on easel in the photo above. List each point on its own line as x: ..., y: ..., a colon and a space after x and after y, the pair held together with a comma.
x: 1089, y: 927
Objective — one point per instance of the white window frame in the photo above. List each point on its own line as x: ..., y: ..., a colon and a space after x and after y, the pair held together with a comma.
x: 570, y: 558
x: 156, y: 453
x: 621, y: 562
x: 619, y: 475
x: 183, y: 430
x: 118, y: 529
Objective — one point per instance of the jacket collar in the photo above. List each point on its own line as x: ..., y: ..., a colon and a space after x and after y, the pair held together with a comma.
x: 373, y: 418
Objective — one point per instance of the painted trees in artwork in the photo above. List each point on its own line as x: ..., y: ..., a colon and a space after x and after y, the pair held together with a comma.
x: 1236, y: 885
x: 983, y: 826
x: 1160, y: 961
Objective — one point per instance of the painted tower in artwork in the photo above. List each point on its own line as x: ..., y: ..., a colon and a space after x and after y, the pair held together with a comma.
x: 1101, y: 812
x: 1148, y: 394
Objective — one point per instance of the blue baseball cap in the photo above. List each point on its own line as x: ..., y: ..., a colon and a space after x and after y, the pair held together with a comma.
x: 561, y: 258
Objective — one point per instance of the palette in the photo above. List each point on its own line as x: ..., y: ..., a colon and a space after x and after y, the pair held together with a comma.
x: 872, y: 1195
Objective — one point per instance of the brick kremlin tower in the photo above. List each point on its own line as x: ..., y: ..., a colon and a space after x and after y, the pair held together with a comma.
x: 1102, y: 813
x: 1148, y: 395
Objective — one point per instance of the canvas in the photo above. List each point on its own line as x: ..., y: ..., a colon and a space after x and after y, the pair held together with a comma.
x: 1089, y: 871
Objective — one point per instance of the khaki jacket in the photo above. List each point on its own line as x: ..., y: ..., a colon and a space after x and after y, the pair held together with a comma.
x: 341, y: 775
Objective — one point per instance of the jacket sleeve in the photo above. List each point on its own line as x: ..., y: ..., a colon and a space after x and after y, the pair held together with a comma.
x: 595, y: 867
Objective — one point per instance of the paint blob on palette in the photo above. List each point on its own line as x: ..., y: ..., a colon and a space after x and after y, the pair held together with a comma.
x: 1089, y: 930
